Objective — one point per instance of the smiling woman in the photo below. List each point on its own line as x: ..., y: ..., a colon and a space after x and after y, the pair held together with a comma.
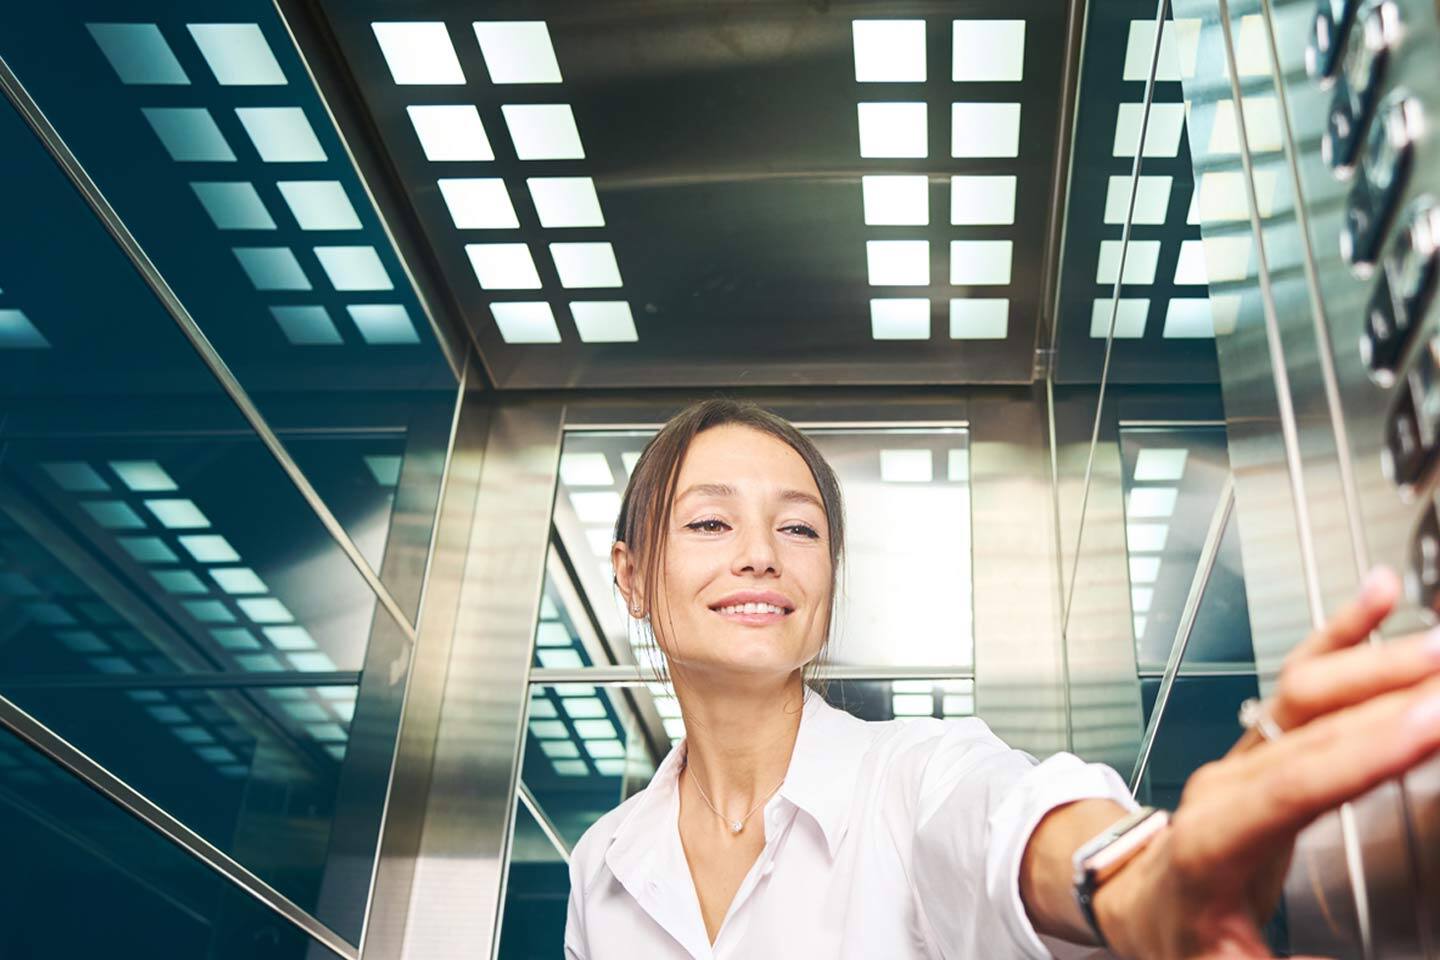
x: 925, y: 837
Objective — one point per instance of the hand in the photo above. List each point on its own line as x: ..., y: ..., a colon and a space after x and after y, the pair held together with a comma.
x: 1355, y: 715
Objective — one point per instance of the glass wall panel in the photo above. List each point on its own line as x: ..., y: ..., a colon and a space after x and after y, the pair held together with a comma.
x: 906, y: 581
x: 70, y: 853
x: 537, y: 893
x: 202, y: 129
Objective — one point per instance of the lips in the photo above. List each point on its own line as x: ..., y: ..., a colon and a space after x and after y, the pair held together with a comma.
x: 755, y: 606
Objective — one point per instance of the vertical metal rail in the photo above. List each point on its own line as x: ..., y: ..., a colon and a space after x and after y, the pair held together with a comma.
x: 542, y: 819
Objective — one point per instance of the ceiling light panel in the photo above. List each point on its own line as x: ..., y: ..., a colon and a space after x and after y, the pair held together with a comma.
x: 1151, y: 502
x: 143, y: 476
x: 1130, y: 317
x: 503, y: 266
x: 272, y: 268
x: 563, y: 202
x: 1179, y: 42
x: 18, y: 333
x: 517, y: 51
x: 1189, y: 318
x: 889, y: 51
x: 529, y: 322
x: 585, y: 265
x: 898, y: 263
x: 233, y: 205
x: 450, y: 133
x: 604, y: 321
x: 893, y: 130
x: 1162, y: 132
x: 907, y: 466
x: 585, y: 470
x: 479, y: 203
x: 1190, y: 265
x: 988, y: 50
x: 1146, y: 537
x: 1140, y: 599
x: 1144, y: 569
x: 1160, y: 463
x: 543, y: 131
x: 306, y: 325
x: 984, y: 130
x: 1140, y: 260
x: 419, y: 53
x: 319, y: 204
x: 237, y: 54
x: 189, y: 134
x: 1262, y: 126
x: 177, y: 513
x: 354, y: 268
x: 139, y: 53
x: 281, y: 134
x: 598, y: 506
x: 900, y: 318
x: 896, y: 200
x: 1227, y: 259
x: 76, y: 476
x: 1152, y: 199
x: 383, y: 324
x: 209, y: 548
x: 979, y: 318
x: 980, y: 262
x: 982, y: 200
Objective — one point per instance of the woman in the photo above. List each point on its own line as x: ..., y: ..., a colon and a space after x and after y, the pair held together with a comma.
x: 782, y: 827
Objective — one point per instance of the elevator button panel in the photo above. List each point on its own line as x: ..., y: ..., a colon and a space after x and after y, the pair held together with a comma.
x: 1422, y: 576
x: 1403, y: 291
x: 1358, y: 83
x: 1384, y: 173
x: 1328, y: 33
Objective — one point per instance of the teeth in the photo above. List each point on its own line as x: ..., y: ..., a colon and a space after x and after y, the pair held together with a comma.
x: 742, y: 608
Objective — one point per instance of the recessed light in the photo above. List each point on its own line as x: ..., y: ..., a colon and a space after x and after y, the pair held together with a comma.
x: 1130, y: 317
x: 566, y: 202
x: 904, y: 263
x: 281, y: 134
x: 1189, y: 318
x: 319, y: 204
x: 503, y: 266
x: 900, y: 318
x: 1152, y: 199
x: 450, y: 132
x: 189, y: 134
x: 982, y: 200
x: 139, y: 53
x: 893, y: 130
x: 889, y: 51
x: 979, y: 318
x: 907, y: 466
x: 1179, y: 41
x: 543, y: 131
x: 517, y: 51
x: 984, y: 129
x: 237, y: 53
x: 1160, y: 463
x: 272, y: 268
x: 530, y: 322
x: 306, y: 325
x: 896, y: 200
x: 419, y: 53
x: 479, y: 203
x: 354, y: 268
x: 603, y: 321
x: 988, y: 51
x: 1162, y: 131
x: 1140, y: 261
x: 585, y: 265
x: 980, y: 262
x: 383, y: 323
x: 233, y: 206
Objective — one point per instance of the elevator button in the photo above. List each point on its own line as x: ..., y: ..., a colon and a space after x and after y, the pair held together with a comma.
x: 1358, y: 82
x: 1384, y: 173
x: 1422, y: 576
x: 1413, y: 263
x: 1403, y: 456
x: 1327, y: 37
x: 1382, y: 343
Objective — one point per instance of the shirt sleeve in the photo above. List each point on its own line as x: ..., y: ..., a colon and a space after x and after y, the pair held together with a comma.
x: 575, y: 946
x: 978, y: 804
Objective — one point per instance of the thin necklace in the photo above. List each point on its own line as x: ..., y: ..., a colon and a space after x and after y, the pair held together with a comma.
x: 735, y: 825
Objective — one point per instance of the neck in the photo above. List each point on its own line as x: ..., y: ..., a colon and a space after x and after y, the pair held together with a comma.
x: 739, y: 740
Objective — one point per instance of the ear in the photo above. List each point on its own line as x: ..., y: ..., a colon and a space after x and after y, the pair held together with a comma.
x: 627, y: 579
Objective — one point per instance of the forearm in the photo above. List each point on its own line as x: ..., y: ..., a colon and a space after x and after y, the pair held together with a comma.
x: 1046, y: 871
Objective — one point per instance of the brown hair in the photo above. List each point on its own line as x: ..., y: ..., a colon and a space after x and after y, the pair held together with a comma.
x: 646, y: 508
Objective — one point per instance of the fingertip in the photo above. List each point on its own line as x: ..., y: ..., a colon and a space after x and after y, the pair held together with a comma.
x: 1381, y: 587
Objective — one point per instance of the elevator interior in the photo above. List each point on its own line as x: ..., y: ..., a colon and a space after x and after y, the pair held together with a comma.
x: 330, y: 330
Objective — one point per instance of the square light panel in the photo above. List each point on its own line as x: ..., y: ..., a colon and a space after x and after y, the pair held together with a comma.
x: 419, y: 53
x: 450, y: 133
x: 189, y: 134
x: 982, y: 200
x: 980, y: 262
x: 907, y: 466
x: 1140, y: 260
x: 503, y: 266
x: 139, y: 53
x: 1130, y: 318
x: 76, y: 476
x: 896, y: 200
x: 543, y: 131
x: 585, y: 470
x: 1144, y: 569
x: 988, y: 51
x: 1152, y: 199
x: 18, y: 333
x: 272, y: 268
x: 1146, y: 537
x: 306, y: 325
x: 1190, y: 266
x: 233, y: 205
x: 889, y: 51
x: 900, y: 318
x: 984, y: 129
x: 525, y: 322
x: 238, y: 54
x: 319, y: 204
x: 598, y: 507
x: 517, y: 51
x: 209, y: 548
x: 1262, y: 126
x: 281, y: 134
x: 143, y: 476
x: 1141, y: 598
x: 177, y: 513
x: 1227, y: 258
x: 1151, y: 502
x: 1189, y: 318
x: 604, y: 321
x: 566, y: 202
x: 1160, y: 463
x: 898, y: 263
x: 383, y: 324
x: 1179, y: 41
x: 893, y: 130
x: 979, y: 318
x: 354, y: 268
x: 479, y: 203
x: 1162, y: 131
x: 582, y: 265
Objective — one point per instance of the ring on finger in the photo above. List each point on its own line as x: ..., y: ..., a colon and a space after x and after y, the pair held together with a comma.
x: 1254, y: 716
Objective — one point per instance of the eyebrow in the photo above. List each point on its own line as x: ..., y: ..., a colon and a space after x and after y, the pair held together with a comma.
x: 725, y: 490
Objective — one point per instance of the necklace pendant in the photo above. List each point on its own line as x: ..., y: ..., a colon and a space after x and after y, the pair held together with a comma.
x: 736, y: 826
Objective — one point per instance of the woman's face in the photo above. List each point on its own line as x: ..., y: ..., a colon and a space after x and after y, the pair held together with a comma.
x: 746, y: 582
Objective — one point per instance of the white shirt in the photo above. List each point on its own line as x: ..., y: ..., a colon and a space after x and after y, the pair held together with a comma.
x: 896, y: 839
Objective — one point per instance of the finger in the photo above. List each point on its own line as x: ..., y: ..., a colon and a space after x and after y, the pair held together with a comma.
x: 1253, y: 801
x: 1312, y: 688
x: 1353, y: 623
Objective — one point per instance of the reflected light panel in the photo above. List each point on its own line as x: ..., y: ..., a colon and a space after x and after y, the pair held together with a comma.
x: 306, y: 325
x: 900, y: 318
x: 354, y: 268
x: 604, y: 321
x: 233, y: 206
x: 189, y: 134
x: 582, y: 265
x: 543, y: 131
x: 1130, y: 317
x: 1140, y: 260
x: 450, y: 132
x: 1160, y: 463
x: 530, y: 322
x: 585, y: 470
x: 889, y: 51
x: 479, y: 203
x: 237, y: 54
x: 419, y: 53
x: 984, y: 129
x: 139, y: 53
x: 979, y: 318
x: 517, y: 51
x: 503, y: 266
x: 896, y: 200
x: 898, y: 262
x: 319, y: 204
x: 982, y: 200
x: 1148, y: 502
x: 383, y: 323
x: 1162, y: 133
x: 272, y: 268
x: 281, y: 134
x: 1179, y: 41
x: 907, y: 466
x: 1146, y: 537
x: 988, y: 50
x: 1152, y: 199
x: 980, y: 262
x: 18, y: 333
x: 566, y: 202
x: 1189, y: 318
x: 1190, y: 266
x: 891, y: 130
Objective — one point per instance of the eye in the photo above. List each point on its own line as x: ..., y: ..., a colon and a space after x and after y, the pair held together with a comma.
x: 708, y: 526
x: 803, y: 529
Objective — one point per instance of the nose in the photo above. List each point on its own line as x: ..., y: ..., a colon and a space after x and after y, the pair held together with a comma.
x: 755, y: 553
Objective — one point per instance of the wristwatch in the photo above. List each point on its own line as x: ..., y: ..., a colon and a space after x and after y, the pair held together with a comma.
x: 1101, y: 858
